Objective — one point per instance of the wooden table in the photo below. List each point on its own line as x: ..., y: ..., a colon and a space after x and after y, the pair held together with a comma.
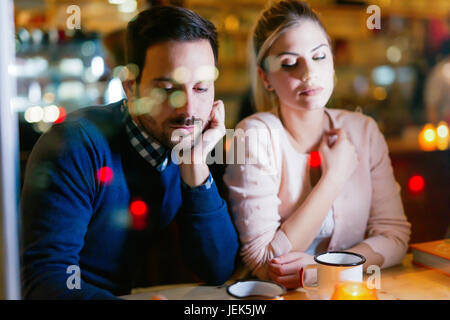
x: 402, y: 282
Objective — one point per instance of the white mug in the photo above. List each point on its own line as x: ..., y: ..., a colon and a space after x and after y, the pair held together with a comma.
x: 332, y: 268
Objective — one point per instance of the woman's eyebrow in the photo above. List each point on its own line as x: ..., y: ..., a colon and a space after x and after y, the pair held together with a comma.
x: 319, y: 46
x: 296, y: 54
x: 289, y: 53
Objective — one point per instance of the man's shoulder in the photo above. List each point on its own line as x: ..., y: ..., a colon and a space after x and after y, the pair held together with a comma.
x: 109, y: 115
x: 95, y: 121
x: 90, y: 127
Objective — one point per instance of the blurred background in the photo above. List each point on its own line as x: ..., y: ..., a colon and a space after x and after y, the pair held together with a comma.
x: 398, y: 74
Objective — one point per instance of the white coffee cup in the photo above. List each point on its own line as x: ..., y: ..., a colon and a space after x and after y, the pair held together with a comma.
x: 333, y: 267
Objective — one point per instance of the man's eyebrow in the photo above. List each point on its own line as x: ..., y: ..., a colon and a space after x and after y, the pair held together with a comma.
x: 164, y: 79
x: 296, y: 54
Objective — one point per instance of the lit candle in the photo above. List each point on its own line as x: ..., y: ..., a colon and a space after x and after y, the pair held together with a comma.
x: 350, y: 290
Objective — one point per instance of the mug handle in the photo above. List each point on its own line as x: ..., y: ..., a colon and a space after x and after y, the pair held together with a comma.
x: 302, y: 272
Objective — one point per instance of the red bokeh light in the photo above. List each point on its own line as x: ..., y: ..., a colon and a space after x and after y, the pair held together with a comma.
x: 314, y: 159
x: 139, y: 212
x: 416, y: 184
x: 62, y: 115
x: 105, y: 175
x: 138, y: 208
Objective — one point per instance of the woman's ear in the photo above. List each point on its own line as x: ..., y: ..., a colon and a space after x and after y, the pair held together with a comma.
x: 130, y: 88
x: 265, y: 79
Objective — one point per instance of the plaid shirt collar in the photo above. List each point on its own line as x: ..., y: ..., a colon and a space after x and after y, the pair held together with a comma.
x: 152, y: 151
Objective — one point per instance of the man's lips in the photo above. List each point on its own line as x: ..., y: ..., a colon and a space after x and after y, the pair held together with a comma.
x: 312, y: 91
x: 185, y: 128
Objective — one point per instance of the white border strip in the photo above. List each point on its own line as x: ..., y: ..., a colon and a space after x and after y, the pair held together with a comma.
x: 9, y: 182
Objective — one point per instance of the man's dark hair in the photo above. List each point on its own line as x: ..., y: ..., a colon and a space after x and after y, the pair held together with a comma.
x: 165, y: 23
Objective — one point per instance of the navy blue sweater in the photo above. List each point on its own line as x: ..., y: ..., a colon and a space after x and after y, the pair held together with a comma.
x: 72, y: 218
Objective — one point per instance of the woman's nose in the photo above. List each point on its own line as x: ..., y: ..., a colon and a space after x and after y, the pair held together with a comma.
x: 305, y: 70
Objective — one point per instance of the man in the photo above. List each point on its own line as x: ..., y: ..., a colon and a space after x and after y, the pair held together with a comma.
x: 99, y: 186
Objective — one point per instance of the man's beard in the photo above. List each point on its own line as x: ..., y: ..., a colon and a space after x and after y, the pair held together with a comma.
x: 164, y: 133
x: 192, y: 136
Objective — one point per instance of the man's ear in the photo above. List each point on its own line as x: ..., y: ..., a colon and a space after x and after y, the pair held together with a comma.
x: 265, y: 79
x: 130, y: 88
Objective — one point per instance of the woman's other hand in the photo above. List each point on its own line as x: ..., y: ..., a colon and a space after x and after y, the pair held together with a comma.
x: 285, y: 269
x: 339, y: 158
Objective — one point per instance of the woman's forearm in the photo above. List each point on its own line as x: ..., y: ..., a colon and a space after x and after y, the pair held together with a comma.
x: 303, y: 225
x: 372, y: 258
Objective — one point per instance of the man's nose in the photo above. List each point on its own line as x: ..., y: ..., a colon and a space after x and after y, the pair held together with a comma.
x: 185, y: 105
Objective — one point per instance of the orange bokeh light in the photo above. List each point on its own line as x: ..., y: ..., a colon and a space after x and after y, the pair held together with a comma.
x: 427, y: 138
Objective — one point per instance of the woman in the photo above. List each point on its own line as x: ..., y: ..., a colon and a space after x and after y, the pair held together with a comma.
x: 286, y: 211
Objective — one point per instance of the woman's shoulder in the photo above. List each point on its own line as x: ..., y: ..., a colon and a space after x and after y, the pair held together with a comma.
x: 260, y: 120
x: 352, y: 120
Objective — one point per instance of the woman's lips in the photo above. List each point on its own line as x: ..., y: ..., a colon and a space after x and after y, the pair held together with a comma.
x: 311, y: 91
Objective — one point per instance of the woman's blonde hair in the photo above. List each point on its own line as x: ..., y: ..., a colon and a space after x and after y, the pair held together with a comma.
x: 272, y: 22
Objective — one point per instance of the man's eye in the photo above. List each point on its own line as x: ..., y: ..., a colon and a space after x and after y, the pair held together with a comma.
x: 169, y: 90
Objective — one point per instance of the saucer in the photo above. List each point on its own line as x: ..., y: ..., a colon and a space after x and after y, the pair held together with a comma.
x: 256, y: 289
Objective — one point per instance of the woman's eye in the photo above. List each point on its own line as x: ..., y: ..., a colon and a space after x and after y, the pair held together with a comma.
x: 288, y: 65
x: 320, y: 57
x: 201, y: 89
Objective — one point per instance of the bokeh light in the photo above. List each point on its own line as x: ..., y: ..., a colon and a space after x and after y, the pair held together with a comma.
x: 132, y: 71
x: 177, y: 99
x: 314, y: 159
x: 379, y: 93
x: 427, y: 138
x: 105, y: 175
x: 231, y: 23
x: 394, y: 54
x: 181, y: 75
x: 97, y: 66
x: 138, y: 208
x: 139, y: 211
x: 416, y: 184
x: 383, y: 75
x: 207, y: 73
x: 442, y: 139
x: 51, y: 113
x: 34, y: 114
x: 62, y: 115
